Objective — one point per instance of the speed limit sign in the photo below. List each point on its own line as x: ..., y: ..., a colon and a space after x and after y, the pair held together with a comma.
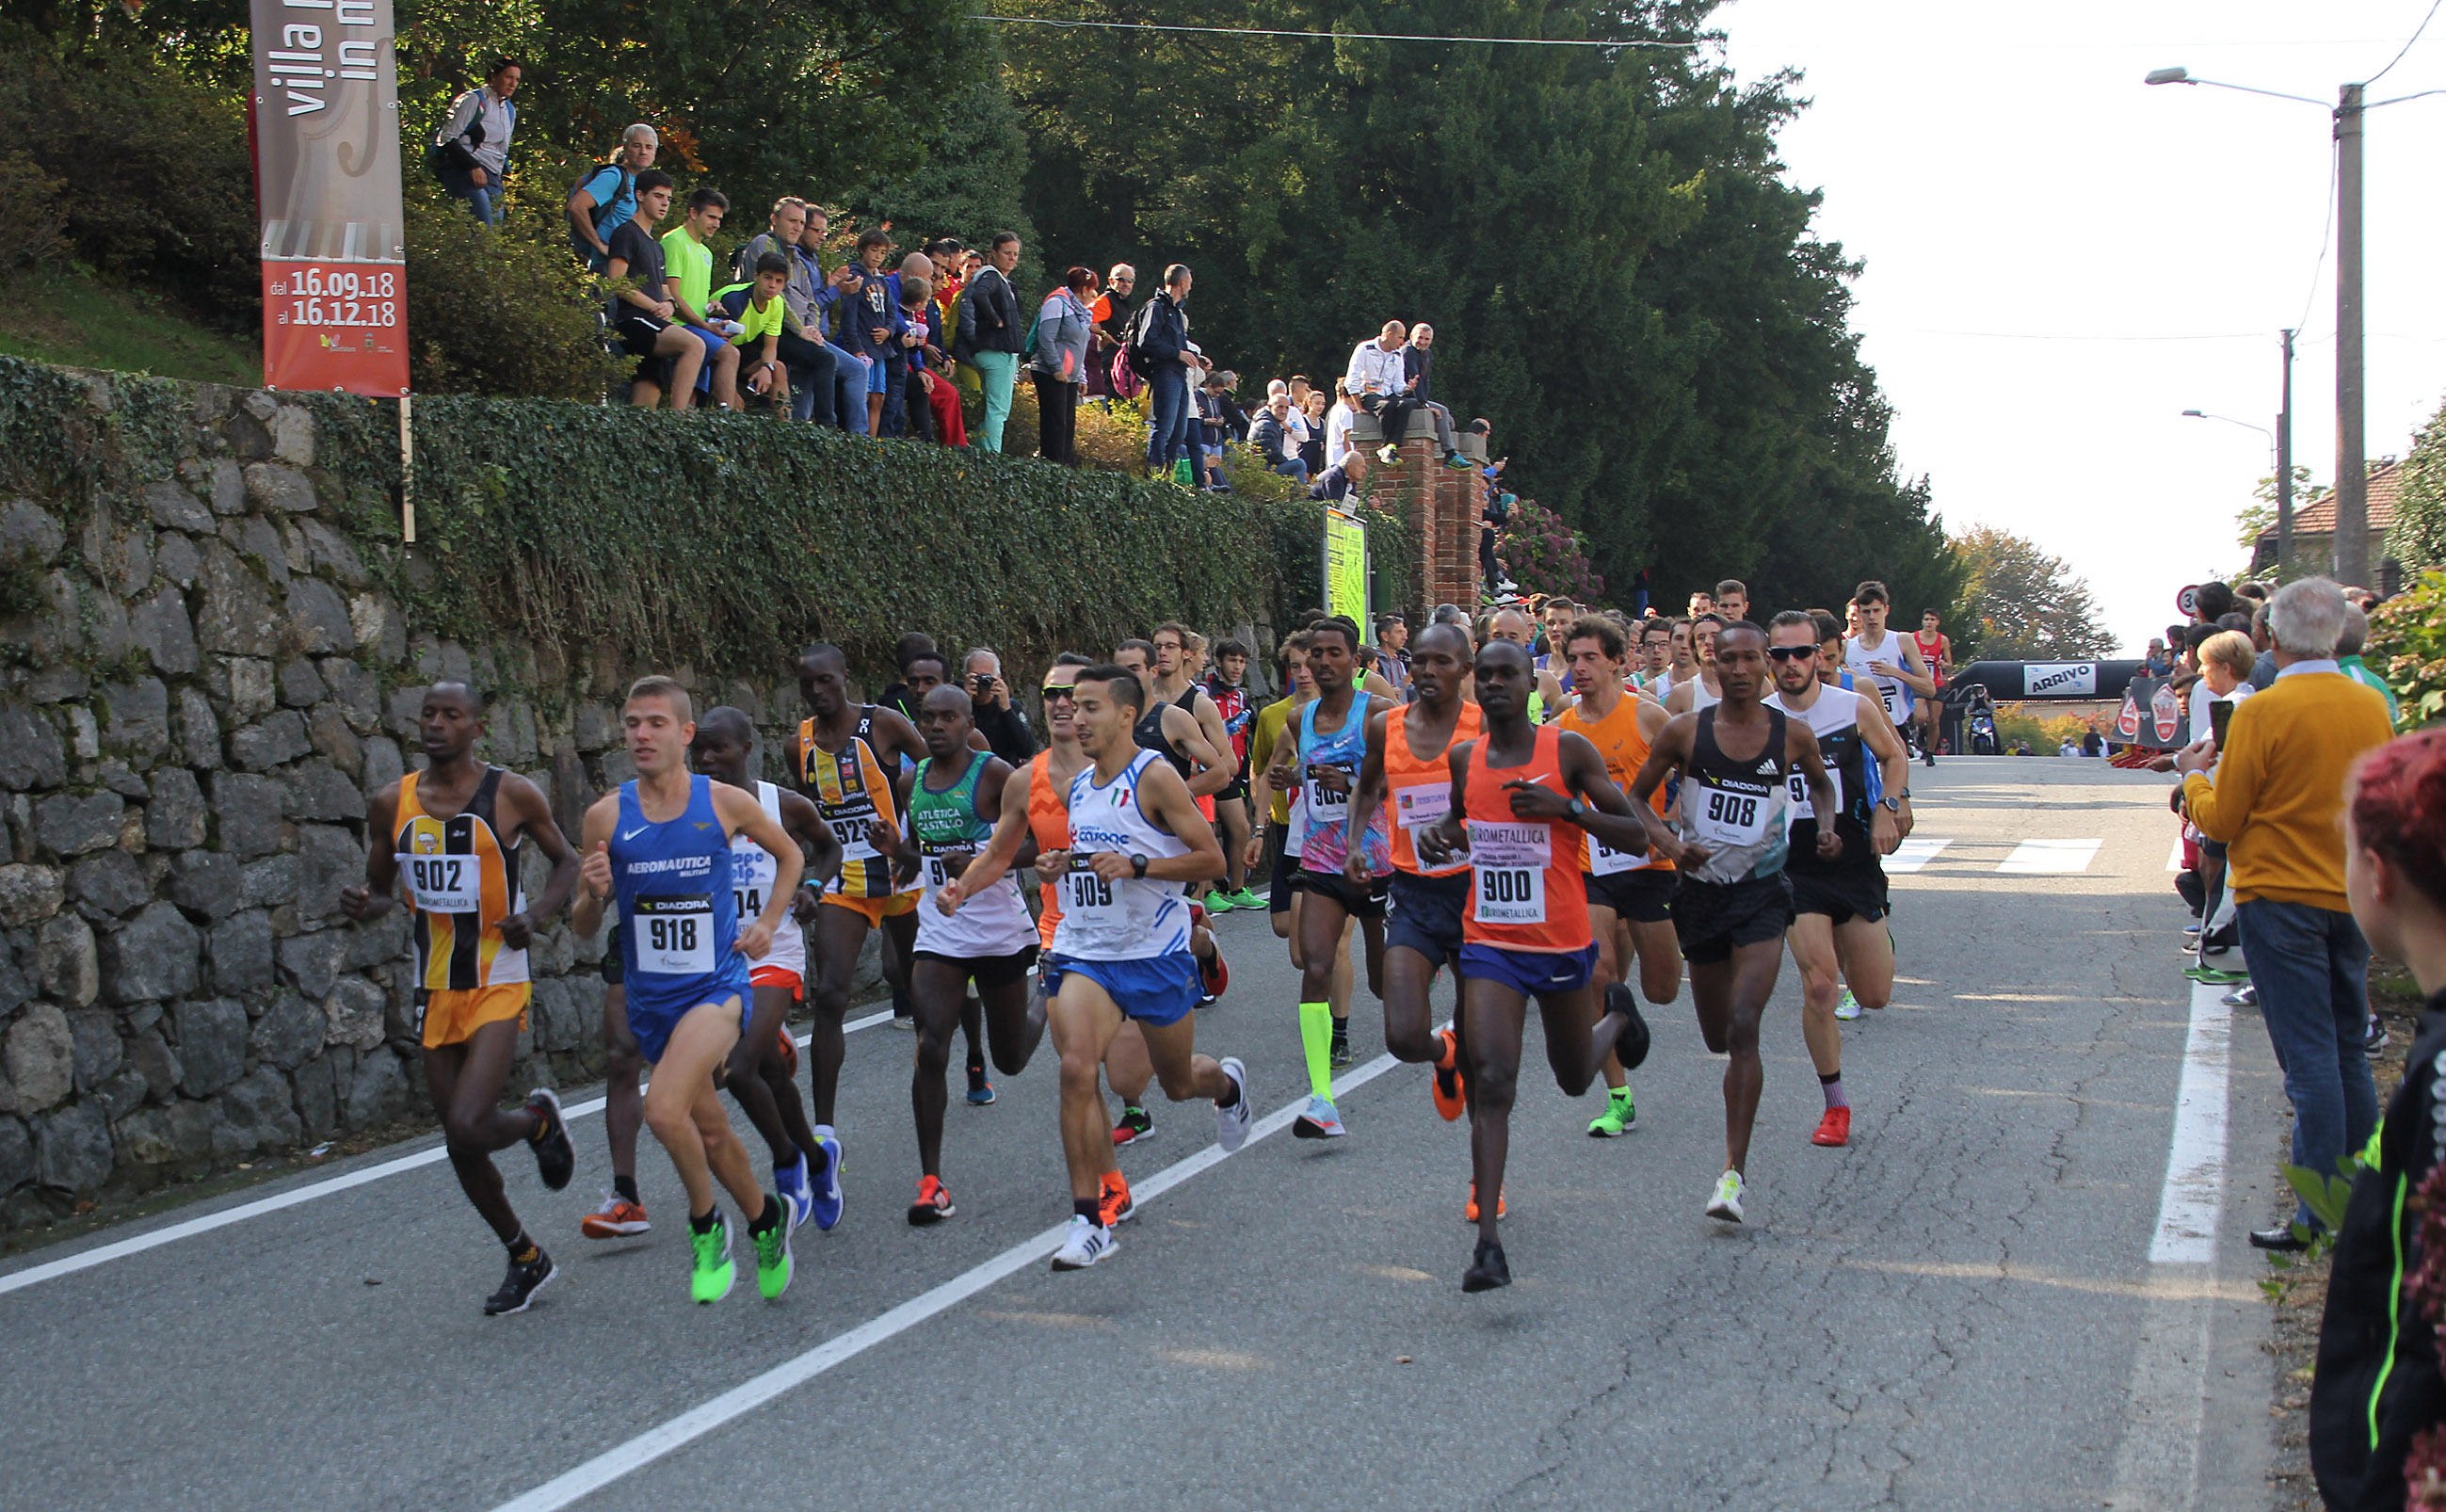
x: 2187, y: 603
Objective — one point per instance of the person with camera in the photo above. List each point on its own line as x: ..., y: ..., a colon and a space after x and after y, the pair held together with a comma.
x: 1005, y: 727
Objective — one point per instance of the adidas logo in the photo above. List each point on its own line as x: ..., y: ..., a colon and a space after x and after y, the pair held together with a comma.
x: 1766, y: 769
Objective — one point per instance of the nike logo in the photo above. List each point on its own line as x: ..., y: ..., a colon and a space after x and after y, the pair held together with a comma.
x: 632, y: 834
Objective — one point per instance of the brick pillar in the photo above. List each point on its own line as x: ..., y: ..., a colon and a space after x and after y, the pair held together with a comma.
x: 1442, y: 506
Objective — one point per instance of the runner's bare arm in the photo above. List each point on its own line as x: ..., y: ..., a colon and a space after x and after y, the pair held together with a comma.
x: 1209, y: 724
x: 525, y: 803
x: 1911, y: 672
x: 1800, y: 750
x: 1669, y: 752
x: 1587, y: 797
x: 1215, y: 768
x: 1678, y: 702
x: 1887, y: 827
x: 1652, y: 720
x: 1165, y: 799
x: 595, y: 865
x: 373, y: 899
x: 805, y: 824
x: 1370, y: 791
x: 1012, y: 831
x: 741, y: 814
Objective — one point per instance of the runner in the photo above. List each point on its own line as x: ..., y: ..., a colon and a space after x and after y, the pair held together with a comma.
x: 1935, y: 650
x: 1175, y: 682
x: 1408, y: 770
x: 1656, y: 658
x: 1704, y: 686
x: 1526, y: 930
x: 1278, y: 827
x: 1228, y: 687
x: 686, y: 960
x: 1546, y: 697
x: 1872, y: 652
x: 1681, y: 646
x: 1838, y: 903
x: 1324, y: 761
x: 1630, y: 892
x: 763, y: 1071
x: 1121, y: 950
x: 454, y: 829
x: 1734, y: 903
x: 1554, y: 618
x: 953, y: 798
x: 1732, y: 600
x: 848, y: 754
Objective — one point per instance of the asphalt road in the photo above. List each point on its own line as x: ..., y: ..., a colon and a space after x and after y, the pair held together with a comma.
x: 1960, y: 1310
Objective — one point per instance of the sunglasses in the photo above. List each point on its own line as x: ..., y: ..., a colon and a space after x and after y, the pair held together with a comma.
x: 1793, y: 653
x: 1067, y: 690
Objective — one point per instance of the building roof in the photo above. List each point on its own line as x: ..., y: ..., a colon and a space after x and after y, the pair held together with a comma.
x: 2318, y: 516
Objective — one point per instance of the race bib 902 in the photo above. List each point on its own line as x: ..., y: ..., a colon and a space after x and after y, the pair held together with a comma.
x: 444, y: 884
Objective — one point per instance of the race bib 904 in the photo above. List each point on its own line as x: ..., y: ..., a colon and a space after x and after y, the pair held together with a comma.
x: 674, y: 933
x: 444, y: 884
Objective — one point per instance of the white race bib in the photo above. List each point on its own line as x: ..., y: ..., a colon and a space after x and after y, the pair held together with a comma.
x: 933, y: 873
x: 850, y: 829
x: 674, y: 933
x: 1418, y: 808
x: 1726, y: 818
x: 1603, y: 861
x: 1089, y: 896
x: 1509, y: 863
x: 444, y: 884
x: 1324, y: 805
x: 1798, y: 808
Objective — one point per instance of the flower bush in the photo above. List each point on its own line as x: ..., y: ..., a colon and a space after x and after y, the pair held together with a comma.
x: 1543, y: 555
x: 2407, y: 646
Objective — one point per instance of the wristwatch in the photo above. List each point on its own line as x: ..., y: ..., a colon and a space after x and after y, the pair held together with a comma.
x: 1891, y: 804
x: 1138, y: 866
x: 1578, y: 812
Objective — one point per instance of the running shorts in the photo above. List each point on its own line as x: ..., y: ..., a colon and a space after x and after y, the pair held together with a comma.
x: 780, y: 976
x: 638, y: 332
x: 1644, y: 896
x: 878, y: 378
x: 1159, y: 990
x: 652, y: 1025
x: 1238, y: 791
x: 1530, y: 972
x: 1367, y: 902
x: 875, y: 908
x: 1426, y: 914
x: 453, y: 1017
x: 1712, y: 919
x: 1853, y: 892
x: 1278, y: 895
x: 988, y: 971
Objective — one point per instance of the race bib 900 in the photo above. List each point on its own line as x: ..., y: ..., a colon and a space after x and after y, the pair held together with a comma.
x: 1509, y: 866
x: 674, y: 933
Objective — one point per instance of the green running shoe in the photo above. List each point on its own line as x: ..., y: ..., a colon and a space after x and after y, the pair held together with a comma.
x: 1219, y: 901
x: 773, y: 1264
x: 714, y: 1273
x: 2215, y: 977
x: 1618, y: 1119
x: 1848, y: 1006
x: 1245, y: 899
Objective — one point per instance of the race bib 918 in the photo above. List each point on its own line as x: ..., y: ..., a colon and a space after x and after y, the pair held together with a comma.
x: 674, y: 933
x: 444, y: 884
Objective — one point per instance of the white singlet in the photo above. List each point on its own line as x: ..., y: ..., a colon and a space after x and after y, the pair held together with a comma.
x: 1131, y: 918
x: 1858, y: 654
x: 753, y: 872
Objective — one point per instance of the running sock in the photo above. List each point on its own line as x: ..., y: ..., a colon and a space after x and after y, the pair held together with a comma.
x: 1833, y: 1088
x: 624, y: 1187
x: 763, y: 1222
x: 1316, y: 1037
x: 523, y: 1251
x: 1090, y: 1208
x: 704, y: 1224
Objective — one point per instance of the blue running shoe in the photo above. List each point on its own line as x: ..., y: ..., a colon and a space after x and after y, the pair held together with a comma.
x: 790, y: 1183
x: 825, y: 1192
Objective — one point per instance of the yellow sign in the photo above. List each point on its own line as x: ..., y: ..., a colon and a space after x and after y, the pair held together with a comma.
x: 1346, y: 568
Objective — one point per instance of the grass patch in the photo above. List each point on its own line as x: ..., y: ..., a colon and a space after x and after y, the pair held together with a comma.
x: 81, y: 322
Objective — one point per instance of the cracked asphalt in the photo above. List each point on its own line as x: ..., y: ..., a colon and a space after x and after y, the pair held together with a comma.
x: 1947, y: 1313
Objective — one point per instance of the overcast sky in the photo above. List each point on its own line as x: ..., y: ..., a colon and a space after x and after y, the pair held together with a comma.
x: 2028, y: 210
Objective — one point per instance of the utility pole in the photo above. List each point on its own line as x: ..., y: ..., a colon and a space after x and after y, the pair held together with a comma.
x: 2352, y: 473
x: 2285, y: 468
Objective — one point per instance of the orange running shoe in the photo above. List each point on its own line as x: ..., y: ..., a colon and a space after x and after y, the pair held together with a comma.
x: 1835, y: 1128
x: 1450, y: 1090
x: 789, y: 1052
x: 1469, y: 1213
x: 618, y: 1218
x: 933, y: 1204
x: 1119, y: 1205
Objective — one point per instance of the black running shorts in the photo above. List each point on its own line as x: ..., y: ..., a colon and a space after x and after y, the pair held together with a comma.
x: 988, y: 971
x: 1367, y: 902
x: 1426, y: 913
x: 1715, y: 919
x: 1644, y: 896
x: 1853, y: 892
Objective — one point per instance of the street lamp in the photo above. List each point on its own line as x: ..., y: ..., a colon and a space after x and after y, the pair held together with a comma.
x: 2280, y: 443
x: 2352, y: 476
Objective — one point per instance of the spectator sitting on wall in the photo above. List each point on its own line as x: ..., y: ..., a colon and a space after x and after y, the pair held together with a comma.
x: 1377, y: 383
x: 690, y: 265
x: 1272, y: 438
x: 645, y: 316
x: 1418, y: 358
x: 605, y: 198
x: 757, y: 309
x: 471, y: 152
x: 809, y: 363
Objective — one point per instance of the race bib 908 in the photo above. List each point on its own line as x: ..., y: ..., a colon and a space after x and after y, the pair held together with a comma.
x: 1725, y: 817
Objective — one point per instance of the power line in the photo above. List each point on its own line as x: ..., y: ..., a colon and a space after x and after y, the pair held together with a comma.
x: 1326, y: 36
x: 2407, y: 46
x: 2326, y: 239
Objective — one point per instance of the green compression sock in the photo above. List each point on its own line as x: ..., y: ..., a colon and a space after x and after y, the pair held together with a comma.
x: 1316, y: 1036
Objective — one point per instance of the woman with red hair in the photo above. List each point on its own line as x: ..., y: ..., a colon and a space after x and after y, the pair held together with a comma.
x: 2379, y: 1398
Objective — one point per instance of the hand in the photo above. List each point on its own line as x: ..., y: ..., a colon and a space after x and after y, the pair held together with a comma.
x: 1053, y: 863
x: 885, y: 838
x: 1829, y: 845
x: 664, y: 309
x: 517, y: 930
x: 2198, y: 757
x: 1111, y: 866
x: 755, y: 939
x: 1334, y: 779
x: 947, y: 898
x: 1535, y: 800
x: 1684, y: 854
x: 757, y: 386
x: 998, y: 694
x: 1885, y: 830
x: 594, y: 873
x: 476, y: 176
x: 803, y: 905
x: 1437, y: 844
x: 1354, y: 870
x: 878, y: 334
x: 1885, y: 668
x: 928, y: 379
x: 2162, y: 764
x: 1254, y: 856
x: 361, y: 905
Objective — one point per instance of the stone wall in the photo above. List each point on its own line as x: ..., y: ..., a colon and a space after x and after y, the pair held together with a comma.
x: 204, y: 679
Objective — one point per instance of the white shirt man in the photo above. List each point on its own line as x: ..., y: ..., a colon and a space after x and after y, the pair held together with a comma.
x: 1376, y: 365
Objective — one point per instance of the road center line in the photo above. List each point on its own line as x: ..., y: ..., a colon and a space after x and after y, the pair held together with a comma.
x: 654, y: 1442
x: 2193, y: 1201
x: 263, y: 1206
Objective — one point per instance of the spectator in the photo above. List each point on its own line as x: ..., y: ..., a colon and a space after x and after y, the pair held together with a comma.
x: 1005, y: 727
x: 1377, y: 383
x: 644, y: 314
x: 471, y: 152
x: 691, y: 264
x: 848, y: 374
x: 1492, y: 520
x: 2377, y: 1386
x: 934, y: 403
x: 809, y: 363
x: 1159, y: 352
x: 1337, y: 424
x: 2348, y: 658
x: 2160, y: 661
x: 1392, y: 641
x: 1066, y: 334
x: 1339, y: 483
x: 1417, y: 358
x: 989, y: 325
x: 2276, y: 804
x: 1272, y: 439
x: 945, y: 253
x: 757, y: 309
x: 1213, y: 430
x: 1110, y: 313
x: 906, y: 409
x: 2262, y: 672
x: 870, y: 317
x: 607, y: 196
x: 1312, y: 446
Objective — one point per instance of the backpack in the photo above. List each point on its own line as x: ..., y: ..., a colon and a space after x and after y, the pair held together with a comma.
x: 1134, y: 335
x: 1126, y: 383
x: 602, y: 209
x: 1027, y: 344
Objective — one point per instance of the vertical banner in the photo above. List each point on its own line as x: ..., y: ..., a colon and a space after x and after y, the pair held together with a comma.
x: 1346, y: 568
x: 327, y: 189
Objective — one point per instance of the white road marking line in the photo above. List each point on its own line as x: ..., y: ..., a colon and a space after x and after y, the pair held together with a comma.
x: 2193, y: 1201
x: 2174, y: 857
x: 2050, y: 855
x: 102, y: 1253
x: 1915, y: 853
x: 652, y: 1445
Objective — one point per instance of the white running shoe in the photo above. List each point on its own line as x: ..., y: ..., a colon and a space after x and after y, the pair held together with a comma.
x: 1726, y: 1203
x: 1084, y: 1245
x: 1849, y: 1008
x: 1318, y: 1120
x: 1232, y: 1123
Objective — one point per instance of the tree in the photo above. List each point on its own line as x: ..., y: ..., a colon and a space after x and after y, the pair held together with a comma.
x: 2419, y: 538
x: 2259, y: 517
x: 2021, y: 604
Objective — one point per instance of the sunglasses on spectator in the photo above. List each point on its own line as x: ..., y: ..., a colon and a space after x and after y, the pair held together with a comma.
x: 1792, y: 652
x: 1067, y: 690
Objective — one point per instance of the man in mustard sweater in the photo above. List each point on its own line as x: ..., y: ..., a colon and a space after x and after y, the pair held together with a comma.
x: 2276, y: 804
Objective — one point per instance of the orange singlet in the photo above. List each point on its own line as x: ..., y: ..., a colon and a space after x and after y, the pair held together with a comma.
x: 1625, y: 749
x: 1048, y: 819
x: 1527, y: 893
x: 1420, y: 789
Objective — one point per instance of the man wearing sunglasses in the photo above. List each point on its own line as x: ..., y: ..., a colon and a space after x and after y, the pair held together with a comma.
x: 1838, y: 903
